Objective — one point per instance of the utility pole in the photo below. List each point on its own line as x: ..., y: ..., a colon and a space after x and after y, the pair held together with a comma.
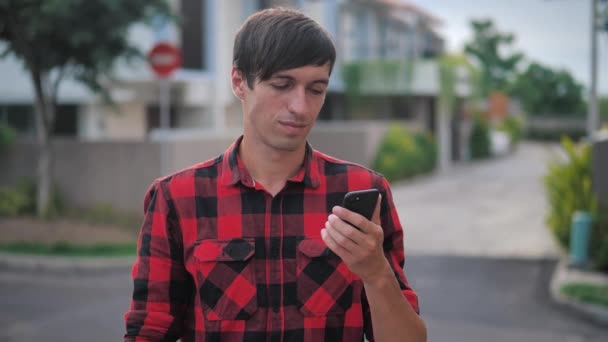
x: 592, y: 115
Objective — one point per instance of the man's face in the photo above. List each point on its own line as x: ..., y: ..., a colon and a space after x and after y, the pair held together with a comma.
x: 280, y: 112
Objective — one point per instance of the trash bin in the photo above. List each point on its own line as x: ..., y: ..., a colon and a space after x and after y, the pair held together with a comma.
x: 580, y: 233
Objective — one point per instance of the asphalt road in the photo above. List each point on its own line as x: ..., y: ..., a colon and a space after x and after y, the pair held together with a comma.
x: 462, y: 299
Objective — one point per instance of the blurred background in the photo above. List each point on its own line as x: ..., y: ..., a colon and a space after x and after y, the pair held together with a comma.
x: 489, y: 118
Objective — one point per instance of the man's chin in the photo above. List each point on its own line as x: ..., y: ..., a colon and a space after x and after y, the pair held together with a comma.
x: 288, y: 145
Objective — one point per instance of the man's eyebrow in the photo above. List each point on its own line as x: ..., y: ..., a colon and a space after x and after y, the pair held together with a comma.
x: 285, y: 77
x: 322, y: 81
x: 289, y: 78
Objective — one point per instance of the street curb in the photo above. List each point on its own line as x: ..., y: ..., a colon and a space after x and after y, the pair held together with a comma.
x: 562, y: 275
x: 59, y: 264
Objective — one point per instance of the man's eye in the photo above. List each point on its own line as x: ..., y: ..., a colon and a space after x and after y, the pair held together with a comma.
x: 280, y: 86
x: 317, y: 91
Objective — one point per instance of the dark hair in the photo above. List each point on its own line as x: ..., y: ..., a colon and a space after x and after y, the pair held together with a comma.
x: 279, y: 39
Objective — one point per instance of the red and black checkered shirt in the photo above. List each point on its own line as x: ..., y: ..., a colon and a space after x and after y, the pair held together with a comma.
x: 219, y: 259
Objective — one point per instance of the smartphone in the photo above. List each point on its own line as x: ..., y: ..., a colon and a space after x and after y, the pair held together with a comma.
x: 363, y: 202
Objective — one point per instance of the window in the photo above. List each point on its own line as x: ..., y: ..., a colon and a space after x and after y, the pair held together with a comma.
x: 276, y: 3
x: 22, y: 119
x: 66, y: 121
x: 193, y: 34
x: 153, y: 117
x: 19, y: 117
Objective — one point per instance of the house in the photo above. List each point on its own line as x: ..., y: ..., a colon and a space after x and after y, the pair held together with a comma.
x: 366, y: 32
x: 390, y: 46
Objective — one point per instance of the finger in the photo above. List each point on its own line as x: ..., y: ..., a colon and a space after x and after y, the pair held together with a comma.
x: 353, y: 218
x: 335, y: 228
x: 376, y: 215
x: 333, y: 245
x: 346, y: 229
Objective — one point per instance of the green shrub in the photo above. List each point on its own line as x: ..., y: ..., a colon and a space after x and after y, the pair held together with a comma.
x: 513, y: 126
x: 480, y: 143
x: 402, y: 154
x: 12, y: 202
x: 554, y: 134
x: 7, y: 136
x: 21, y: 200
x: 18, y: 200
x: 568, y: 188
x: 428, y: 148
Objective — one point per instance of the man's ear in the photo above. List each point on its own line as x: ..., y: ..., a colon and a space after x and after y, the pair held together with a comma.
x: 239, y: 82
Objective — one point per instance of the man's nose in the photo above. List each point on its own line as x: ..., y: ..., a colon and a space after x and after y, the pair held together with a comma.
x: 297, y: 102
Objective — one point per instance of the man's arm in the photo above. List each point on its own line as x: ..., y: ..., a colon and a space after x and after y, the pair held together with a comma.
x: 162, y: 287
x: 393, y: 317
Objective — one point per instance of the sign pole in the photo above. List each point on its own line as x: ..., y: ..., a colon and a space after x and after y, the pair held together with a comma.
x: 165, y: 120
x: 164, y: 58
x: 164, y: 103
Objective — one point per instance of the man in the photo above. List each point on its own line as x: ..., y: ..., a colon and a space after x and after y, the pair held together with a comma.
x: 253, y: 246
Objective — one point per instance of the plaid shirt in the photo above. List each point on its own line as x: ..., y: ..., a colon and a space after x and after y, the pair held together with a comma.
x: 219, y: 259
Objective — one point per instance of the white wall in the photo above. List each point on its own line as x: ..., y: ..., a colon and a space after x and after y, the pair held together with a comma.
x: 102, y: 123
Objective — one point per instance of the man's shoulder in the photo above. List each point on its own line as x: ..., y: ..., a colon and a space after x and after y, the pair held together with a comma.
x: 208, y: 169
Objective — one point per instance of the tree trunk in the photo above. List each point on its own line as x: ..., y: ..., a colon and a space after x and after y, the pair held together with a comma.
x: 45, y: 171
x: 44, y: 122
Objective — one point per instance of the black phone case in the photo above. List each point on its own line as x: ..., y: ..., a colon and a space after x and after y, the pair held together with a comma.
x: 362, y: 202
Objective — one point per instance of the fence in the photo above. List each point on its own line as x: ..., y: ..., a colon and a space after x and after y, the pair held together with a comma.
x: 118, y: 173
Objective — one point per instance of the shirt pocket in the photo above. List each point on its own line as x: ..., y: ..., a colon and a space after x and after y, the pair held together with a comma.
x: 225, y: 272
x: 324, y: 282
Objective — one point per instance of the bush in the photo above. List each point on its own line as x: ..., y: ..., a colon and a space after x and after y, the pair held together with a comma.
x: 12, y: 202
x: 428, y: 149
x: 18, y: 200
x: 21, y: 200
x: 554, y: 134
x: 7, y: 136
x: 513, y: 126
x: 568, y: 188
x: 480, y: 143
x: 402, y: 154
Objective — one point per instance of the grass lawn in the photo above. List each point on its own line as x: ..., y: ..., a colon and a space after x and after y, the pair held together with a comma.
x: 70, y: 249
x: 587, y: 293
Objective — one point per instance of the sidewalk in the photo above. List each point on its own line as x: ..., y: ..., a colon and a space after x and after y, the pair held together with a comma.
x: 493, y: 208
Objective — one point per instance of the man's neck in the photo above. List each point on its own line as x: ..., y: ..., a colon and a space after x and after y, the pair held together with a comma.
x: 270, y: 167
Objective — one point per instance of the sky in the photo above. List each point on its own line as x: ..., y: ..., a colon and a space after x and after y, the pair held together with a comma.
x: 552, y: 32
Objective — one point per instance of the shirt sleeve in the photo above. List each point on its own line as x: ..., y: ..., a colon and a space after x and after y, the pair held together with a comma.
x: 394, y: 252
x: 162, y: 288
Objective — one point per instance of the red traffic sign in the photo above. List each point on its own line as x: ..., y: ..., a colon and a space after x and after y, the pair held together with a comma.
x: 164, y: 58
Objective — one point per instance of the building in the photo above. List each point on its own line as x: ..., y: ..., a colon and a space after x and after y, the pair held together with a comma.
x: 385, y: 33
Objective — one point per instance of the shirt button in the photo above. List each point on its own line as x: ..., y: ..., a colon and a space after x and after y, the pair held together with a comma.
x: 275, y: 309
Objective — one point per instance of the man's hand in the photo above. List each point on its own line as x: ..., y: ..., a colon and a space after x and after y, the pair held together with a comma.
x: 361, y: 250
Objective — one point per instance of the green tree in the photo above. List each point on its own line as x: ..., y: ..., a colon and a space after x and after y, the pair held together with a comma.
x: 480, y: 143
x: 78, y: 39
x: 603, y: 103
x: 543, y: 90
x: 487, y: 49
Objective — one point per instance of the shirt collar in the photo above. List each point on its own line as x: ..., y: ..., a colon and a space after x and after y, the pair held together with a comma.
x: 234, y: 170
